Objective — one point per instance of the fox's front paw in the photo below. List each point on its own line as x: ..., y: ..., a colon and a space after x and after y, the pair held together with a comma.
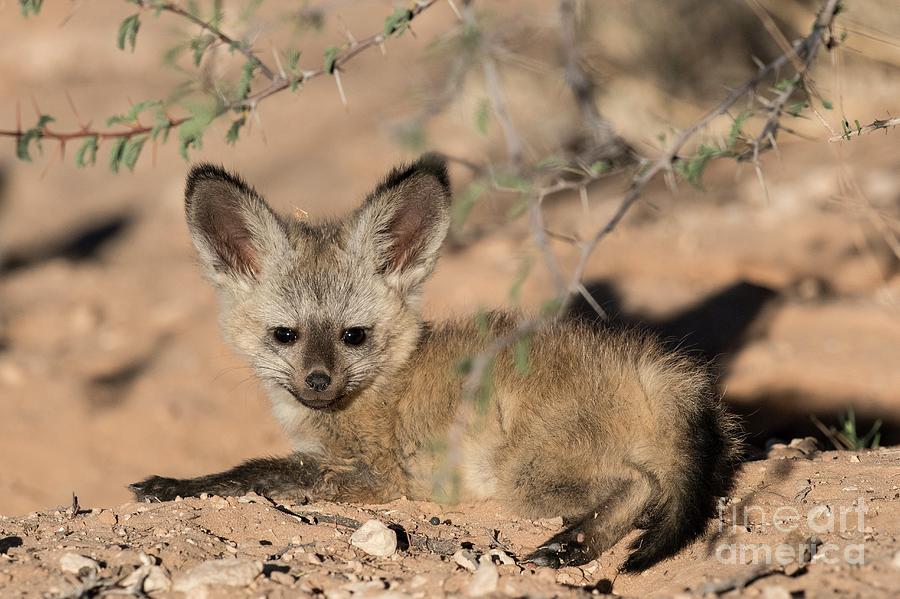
x: 158, y: 488
x: 560, y: 555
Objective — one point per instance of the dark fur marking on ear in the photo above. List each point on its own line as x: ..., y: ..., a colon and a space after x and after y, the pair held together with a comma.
x: 430, y: 164
x: 206, y: 171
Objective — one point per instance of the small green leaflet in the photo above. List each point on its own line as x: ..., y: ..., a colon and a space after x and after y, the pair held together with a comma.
x: 30, y: 7
x: 87, y: 153
x: 132, y: 150
x: 131, y: 116
x: 735, y: 130
x: 128, y: 31
x: 199, y: 45
x: 483, y: 116
x: 234, y: 131
x: 32, y: 135
x: 115, y: 153
x: 246, y: 80
x: 522, y: 350
x: 397, y: 22
x: 190, y: 133
x: 330, y: 58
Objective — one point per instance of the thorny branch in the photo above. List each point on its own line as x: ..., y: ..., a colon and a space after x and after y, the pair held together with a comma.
x: 806, y: 50
x: 875, y: 125
x: 605, y: 144
x: 208, y: 26
x: 279, y: 81
x: 514, y: 145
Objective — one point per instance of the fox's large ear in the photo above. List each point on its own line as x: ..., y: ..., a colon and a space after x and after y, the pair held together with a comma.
x: 232, y: 227
x: 403, y: 222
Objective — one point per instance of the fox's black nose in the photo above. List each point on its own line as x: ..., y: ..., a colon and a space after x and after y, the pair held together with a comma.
x: 318, y: 380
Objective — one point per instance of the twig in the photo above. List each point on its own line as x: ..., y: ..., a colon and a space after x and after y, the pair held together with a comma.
x: 226, y: 39
x: 494, y: 88
x: 276, y: 85
x: 875, y: 125
x: 605, y: 144
x: 807, y: 49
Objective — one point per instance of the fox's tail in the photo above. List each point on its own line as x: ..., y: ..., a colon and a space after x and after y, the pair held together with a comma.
x: 702, y: 443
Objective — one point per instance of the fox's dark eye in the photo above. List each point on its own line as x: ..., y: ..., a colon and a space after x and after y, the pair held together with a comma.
x: 284, y: 335
x: 354, y: 336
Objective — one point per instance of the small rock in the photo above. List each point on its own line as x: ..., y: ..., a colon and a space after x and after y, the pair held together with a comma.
x: 230, y: 572
x: 375, y: 538
x: 808, y: 445
x: 775, y: 592
x: 854, y: 459
x: 282, y: 577
x: 484, y: 581
x: 79, y: 565
x: 466, y: 559
x: 434, y: 521
x: 218, y: 503
x: 896, y: 561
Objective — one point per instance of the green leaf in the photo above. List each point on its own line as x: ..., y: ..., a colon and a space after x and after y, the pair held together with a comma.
x: 521, y: 354
x: 515, y: 291
x: 199, y: 45
x: 132, y: 150
x: 600, y: 167
x: 827, y: 105
x: 785, y: 84
x: 691, y: 169
x: 190, y: 132
x: 292, y: 60
x: 397, y: 22
x: 32, y: 135
x: 128, y: 31
x: 331, y: 54
x: 735, y: 130
x: 795, y: 108
x: 234, y: 130
x: 462, y: 205
x: 246, y: 79
x: 87, y: 152
x: 30, y: 7
x: 131, y: 116
x: 115, y: 153
x: 483, y: 116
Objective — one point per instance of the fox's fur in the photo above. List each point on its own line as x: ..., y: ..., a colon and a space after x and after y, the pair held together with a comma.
x: 603, y: 428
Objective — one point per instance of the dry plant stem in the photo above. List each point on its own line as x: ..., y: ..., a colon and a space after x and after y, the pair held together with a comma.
x: 875, y: 125
x: 807, y: 49
x: 494, y: 88
x: 227, y: 40
x: 605, y: 143
x: 276, y: 85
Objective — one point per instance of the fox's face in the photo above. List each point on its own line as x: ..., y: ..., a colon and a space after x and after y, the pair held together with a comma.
x: 322, y: 311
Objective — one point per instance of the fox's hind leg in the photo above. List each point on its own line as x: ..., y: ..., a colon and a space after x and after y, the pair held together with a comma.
x: 586, y: 537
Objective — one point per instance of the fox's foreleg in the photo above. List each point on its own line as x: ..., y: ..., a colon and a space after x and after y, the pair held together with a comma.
x: 295, y: 476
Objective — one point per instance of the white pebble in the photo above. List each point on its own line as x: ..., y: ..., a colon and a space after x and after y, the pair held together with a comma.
x: 375, y: 538
x: 229, y: 572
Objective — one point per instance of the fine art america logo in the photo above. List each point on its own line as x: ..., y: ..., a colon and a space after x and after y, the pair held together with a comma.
x: 843, y: 522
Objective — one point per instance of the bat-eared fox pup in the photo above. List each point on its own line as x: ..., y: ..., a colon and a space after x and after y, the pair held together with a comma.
x: 603, y: 428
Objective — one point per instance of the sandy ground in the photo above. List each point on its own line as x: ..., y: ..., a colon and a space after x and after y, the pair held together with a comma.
x: 807, y: 525
x: 112, y: 367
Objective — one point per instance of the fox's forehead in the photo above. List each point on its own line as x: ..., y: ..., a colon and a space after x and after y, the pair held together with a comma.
x: 323, y: 283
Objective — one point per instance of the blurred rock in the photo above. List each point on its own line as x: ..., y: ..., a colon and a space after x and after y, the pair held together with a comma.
x: 375, y: 538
